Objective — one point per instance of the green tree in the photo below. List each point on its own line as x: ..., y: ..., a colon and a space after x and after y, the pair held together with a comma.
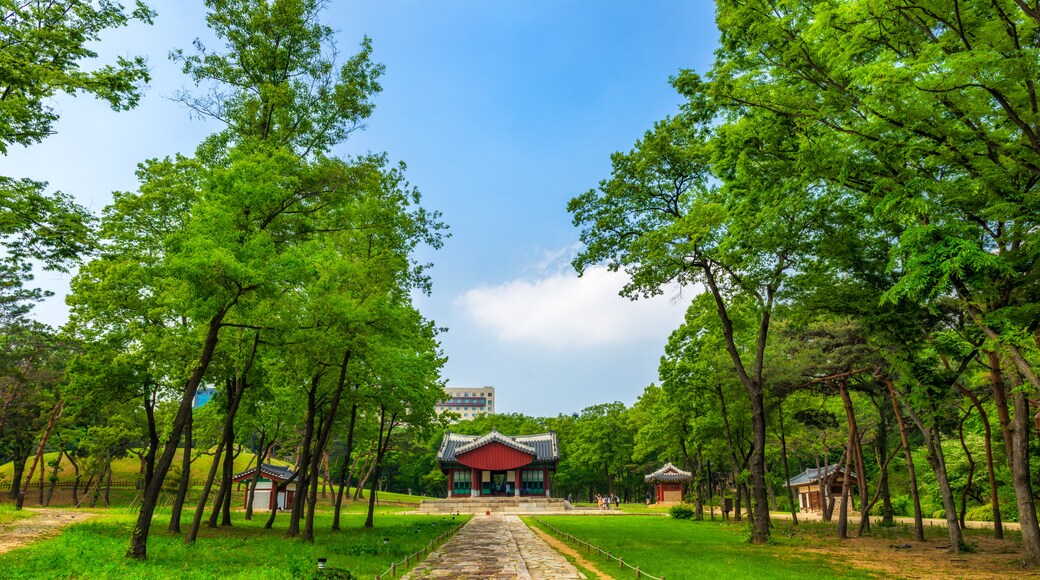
x: 256, y: 189
x: 42, y: 48
x: 719, y: 204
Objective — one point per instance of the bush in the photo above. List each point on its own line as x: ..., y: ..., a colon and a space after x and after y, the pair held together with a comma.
x: 681, y: 512
x: 981, y: 513
x: 902, y: 506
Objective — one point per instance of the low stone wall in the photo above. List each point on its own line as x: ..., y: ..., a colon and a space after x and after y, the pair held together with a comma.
x: 478, y: 505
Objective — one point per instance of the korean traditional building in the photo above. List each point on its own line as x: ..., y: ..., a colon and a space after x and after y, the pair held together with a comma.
x: 668, y: 482
x: 806, y: 486
x: 270, y: 477
x: 497, y: 465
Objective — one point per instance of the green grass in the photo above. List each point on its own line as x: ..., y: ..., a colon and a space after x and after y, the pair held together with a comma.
x: 686, y: 549
x: 95, y: 549
x: 128, y: 468
x: 655, y: 509
x: 8, y: 514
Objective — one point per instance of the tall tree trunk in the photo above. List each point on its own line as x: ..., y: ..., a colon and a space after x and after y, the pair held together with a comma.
x: 344, y: 480
x: 732, y: 448
x: 54, y: 474
x: 937, y: 461
x: 824, y: 479
x: 38, y: 458
x: 914, y: 495
x: 971, y: 469
x: 16, y: 482
x: 843, y: 507
x: 881, y: 453
x: 382, y: 444
x: 753, y: 384
x: 856, y: 450
x: 75, y: 479
x: 305, y: 459
x: 43, y: 471
x: 277, y: 490
x: 251, y: 490
x: 325, y: 430
x: 1000, y: 402
x: 1020, y: 473
x: 998, y: 526
x: 370, y: 460
x: 182, y: 487
x: 229, y: 474
x: 787, y: 468
x: 139, y: 536
x: 153, y: 436
x: 235, y: 388
x: 196, y: 520
x: 108, y: 484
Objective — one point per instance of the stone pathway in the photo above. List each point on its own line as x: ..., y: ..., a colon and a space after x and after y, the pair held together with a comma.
x: 499, y: 547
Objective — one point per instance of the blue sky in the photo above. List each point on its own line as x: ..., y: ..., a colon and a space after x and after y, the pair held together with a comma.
x: 503, y: 111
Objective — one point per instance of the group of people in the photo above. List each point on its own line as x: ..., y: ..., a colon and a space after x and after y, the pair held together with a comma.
x: 604, y: 501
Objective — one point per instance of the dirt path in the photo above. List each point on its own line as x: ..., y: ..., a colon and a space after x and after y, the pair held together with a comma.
x: 43, y: 524
x: 565, y: 549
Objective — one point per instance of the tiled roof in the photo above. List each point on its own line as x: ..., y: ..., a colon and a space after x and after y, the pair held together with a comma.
x: 813, y: 475
x: 494, y: 437
x: 669, y: 473
x: 271, y: 471
x: 543, y: 445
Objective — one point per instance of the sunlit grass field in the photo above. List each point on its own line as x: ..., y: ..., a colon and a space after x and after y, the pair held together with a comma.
x: 8, y: 514
x: 95, y: 549
x: 687, y: 549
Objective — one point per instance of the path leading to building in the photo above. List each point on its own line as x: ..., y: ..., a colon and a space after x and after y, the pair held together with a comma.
x: 497, y: 547
x: 43, y: 524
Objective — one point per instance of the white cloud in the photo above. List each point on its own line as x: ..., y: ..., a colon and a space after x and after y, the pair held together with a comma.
x: 559, y: 309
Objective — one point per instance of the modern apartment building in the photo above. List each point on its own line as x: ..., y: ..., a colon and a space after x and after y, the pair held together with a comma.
x: 468, y: 402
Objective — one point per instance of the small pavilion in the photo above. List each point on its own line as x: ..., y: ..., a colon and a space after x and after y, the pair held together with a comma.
x: 270, y: 477
x: 669, y: 481
x: 806, y: 485
x: 497, y: 465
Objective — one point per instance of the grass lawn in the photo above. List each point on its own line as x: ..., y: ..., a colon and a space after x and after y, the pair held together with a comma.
x: 8, y: 514
x: 129, y: 468
x: 95, y: 549
x: 682, y: 549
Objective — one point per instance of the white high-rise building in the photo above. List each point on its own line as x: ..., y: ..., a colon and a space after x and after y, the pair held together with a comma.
x: 468, y: 402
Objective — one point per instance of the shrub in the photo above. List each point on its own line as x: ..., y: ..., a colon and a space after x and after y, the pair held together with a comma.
x: 982, y: 513
x: 681, y: 512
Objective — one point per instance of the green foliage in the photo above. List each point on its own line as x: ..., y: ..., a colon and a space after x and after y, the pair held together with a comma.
x: 680, y: 512
x: 45, y: 44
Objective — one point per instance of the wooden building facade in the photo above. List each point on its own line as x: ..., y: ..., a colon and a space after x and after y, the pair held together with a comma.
x: 264, y: 497
x: 497, y: 465
x: 668, y: 483
x: 807, y: 486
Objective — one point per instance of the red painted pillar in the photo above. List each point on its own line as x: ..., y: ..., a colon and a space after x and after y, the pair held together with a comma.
x: 516, y: 483
x: 451, y: 482
x: 545, y: 480
x: 475, y: 483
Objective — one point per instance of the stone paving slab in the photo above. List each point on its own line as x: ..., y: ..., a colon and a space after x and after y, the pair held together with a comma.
x: 498, y: 547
